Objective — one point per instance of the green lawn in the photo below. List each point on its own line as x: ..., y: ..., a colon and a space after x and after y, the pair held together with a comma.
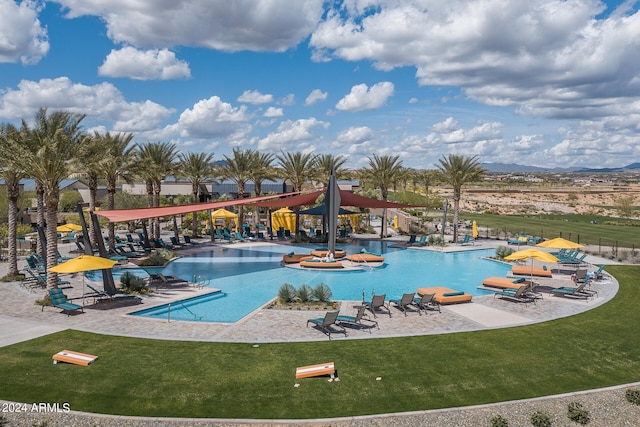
x: 191, y: 379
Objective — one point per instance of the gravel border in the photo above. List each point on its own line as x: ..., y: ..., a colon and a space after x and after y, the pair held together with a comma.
x: 607, y: 407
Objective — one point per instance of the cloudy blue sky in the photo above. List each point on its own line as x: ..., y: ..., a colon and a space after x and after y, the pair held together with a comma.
x: 553, y: 83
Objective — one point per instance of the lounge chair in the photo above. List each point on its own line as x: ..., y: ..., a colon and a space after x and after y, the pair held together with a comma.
x: 427, y: 302
x: 519, y: 295
x: 326, y: 323
x: 239, y: 237
x: 446, y: 295
x: 404, y: 302
x: 599, y: 273
x: 161, y: 279
x: 99, y: 295
x: 422, y: 241
x: 577, y: 260
x: 357, y: 319
x: 175, y: 242
x: 467, y: 239
x: 505, y: 282
x: 41, y: 279
x: 377, y: 301
x: 526, y: 270
x: 60, y: 301
x: 188, y: 240
x: 579, y: 291
x: 519, y: 240
x: 411, y: 241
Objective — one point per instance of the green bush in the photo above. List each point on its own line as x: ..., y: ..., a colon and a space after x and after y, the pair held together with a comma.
x: 286, y: 293
x: 499, y: 421
x: 577, y: 413
x: 132, y: 283
x: 322, y: 292
x: 304, y: 293
x: 540, y: 419
x: 633, y: 395
x: 503, y: 251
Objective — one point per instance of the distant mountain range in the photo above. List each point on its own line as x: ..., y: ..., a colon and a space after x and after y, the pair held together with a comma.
x: 513, y: 167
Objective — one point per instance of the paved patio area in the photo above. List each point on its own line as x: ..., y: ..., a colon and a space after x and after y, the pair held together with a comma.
x: 25, y: 320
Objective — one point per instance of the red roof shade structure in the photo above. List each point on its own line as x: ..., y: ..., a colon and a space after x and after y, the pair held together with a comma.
x: 347, y: 199
x: 120, y: 215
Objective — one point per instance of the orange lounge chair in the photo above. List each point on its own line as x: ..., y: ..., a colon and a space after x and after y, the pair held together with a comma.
x: 365, y: 258
x: 446, y: 295
x: 321, y: 253
x: 505, y: 282
x: 316, y: 263
x: 74, y: 357
x: 292, y: 258
x: 523, y: 270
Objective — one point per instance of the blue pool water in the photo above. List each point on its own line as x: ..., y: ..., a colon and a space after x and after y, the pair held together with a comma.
x: 251, y: 277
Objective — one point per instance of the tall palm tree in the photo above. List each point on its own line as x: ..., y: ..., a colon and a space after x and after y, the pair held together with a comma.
x: 195, y: 168
x: 325, y: 163
x: 90, y: 154
x: 297, y: 168
x: 237, y: 168
x: 426, y: 178
x: 47, y: 156
x: 261, y: 170
x: 12, y: 177
x: 117, y: 162
x: 456, y: 171
x: 155, y: 163
x: 383, y: 172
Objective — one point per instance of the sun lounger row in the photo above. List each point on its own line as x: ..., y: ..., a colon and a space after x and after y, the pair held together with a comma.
x: 524, y: 240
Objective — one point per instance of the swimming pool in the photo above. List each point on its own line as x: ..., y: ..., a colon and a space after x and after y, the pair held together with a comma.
x: 250, y: 277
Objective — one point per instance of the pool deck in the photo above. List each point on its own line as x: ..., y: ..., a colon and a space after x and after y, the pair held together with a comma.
x: 25, y: 320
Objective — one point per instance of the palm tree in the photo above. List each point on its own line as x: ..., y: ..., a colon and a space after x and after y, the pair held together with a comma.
x: 195, y: 168
x: 456, y: 171
x: 89, y: 156
x: 117, y: 161
x: 237, y: 168
x: 327, y: 162
x: 297, y: 168
x: 383, y: 172
x: 426, y: 178
x: 47, y: 156
x: 155, y: 163
x: 12, y: 177
x: 261, y: 170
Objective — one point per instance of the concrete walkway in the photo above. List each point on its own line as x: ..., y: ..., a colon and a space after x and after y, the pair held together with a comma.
x: 21, y: 319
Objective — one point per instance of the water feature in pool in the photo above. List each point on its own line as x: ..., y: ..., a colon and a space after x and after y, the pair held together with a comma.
x: 250, y: 277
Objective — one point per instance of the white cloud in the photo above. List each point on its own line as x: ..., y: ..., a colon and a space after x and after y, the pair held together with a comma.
x: 363, y: 98
x: 557, y: 59
x: 255, y: 97
x: 275, y: 25
x: 288, y: 100
x: 102, y: 102
x: 212, y: 118
x: 273, y: 112
x: 22, y: 37
x: 144, y: 65
x: 315, y: 96
x: 290, y: 131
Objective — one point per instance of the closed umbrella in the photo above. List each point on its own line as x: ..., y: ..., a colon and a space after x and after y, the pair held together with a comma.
x: 474, y: 230
x: 532, y: 254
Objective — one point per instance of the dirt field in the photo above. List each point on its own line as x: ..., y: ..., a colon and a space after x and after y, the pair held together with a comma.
x: 597, y: 201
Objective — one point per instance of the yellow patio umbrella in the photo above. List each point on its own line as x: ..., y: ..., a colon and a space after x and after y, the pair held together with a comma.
x: 560, y: 243
x: 68, y: 227
x: 474, y: 230
x: 83, y: 263
x: 532, y: 254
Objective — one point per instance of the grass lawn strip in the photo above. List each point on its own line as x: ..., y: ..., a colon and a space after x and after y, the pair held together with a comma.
x: 145, y: 377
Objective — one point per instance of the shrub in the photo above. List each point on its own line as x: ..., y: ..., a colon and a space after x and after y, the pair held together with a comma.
x: 503, y: 251
x: 304, y: 293
x: 286, y: 293
x: 633, y: 395
x: 499, y: 421
x: 157, y: 258
x: 540, y: 419
x: 322, y: 292
x: 577, y: 413
x: 132, y: 283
